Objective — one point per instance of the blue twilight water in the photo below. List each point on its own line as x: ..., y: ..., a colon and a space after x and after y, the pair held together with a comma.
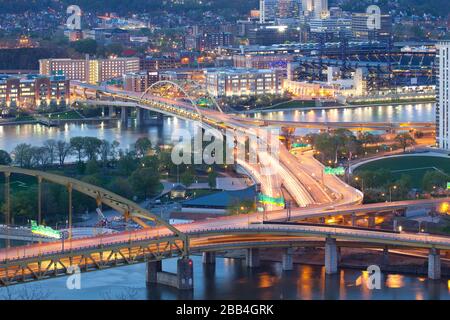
x: 231, y: 279
x: 12, y: 135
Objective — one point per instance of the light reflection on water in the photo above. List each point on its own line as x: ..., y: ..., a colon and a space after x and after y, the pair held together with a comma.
x: 10, y: 136
x: 231, y: 279
x: 417, y: 112
x: 36, y: 134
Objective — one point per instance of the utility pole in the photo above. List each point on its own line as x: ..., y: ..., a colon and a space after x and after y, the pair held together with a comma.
x: 39, y: 220
x: 69, y: 189
x: 288, y: 210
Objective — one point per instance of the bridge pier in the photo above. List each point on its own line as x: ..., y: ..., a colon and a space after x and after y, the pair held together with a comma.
x: 209, y: 257
x: 153, y: 267
x: 140, y: 116
x: 434, y: 264
x: 288, y: 262
x: 183, y: 279
x: 252, y: 258
x: 331, y: 256
x: 124, y: 115
x: 371, y: 221
x: 353, y: 219
x: 112, y: 112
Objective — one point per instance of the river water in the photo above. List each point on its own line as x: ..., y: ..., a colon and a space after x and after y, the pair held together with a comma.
x: 230, y: 279
x: 12, y: 135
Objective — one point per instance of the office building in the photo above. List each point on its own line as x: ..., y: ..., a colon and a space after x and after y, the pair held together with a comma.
x: 242, y: 82
x: 362, y: 32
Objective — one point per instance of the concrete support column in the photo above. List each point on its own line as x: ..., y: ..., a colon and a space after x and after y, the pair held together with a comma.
x: 353, y: 220
x: 434, y: 264
x: 112, y: 111
x: 124, y: 115
x: 139, y: 116
x: 209, y: 258
x: 159, y: 117
x: 185, y: 274
x: 371, y: 221
x: 288, y: 262
x: 153, y: 267
x: 252, y: 258
x: 331, y: 256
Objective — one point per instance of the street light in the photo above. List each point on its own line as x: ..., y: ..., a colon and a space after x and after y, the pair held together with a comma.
x: 390, y: 192
x: 362, y: 183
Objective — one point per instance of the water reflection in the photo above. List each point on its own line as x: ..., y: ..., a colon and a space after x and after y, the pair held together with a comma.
x: 12, y: 135
x: 231, y: 279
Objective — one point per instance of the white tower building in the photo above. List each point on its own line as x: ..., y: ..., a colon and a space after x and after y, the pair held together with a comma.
x: 320, y: 8
x: 443, y: 93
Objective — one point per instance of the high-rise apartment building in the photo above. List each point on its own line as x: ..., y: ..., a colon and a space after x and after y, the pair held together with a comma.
x: 320, y: 8
x: 362, y: 31
x: 443, y: 93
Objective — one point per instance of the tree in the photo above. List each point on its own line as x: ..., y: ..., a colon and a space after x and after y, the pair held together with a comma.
x: 77, y: 144
x: 23, y: 155
x: 91, y: 147
x: 5, y: 158
x: 405, y: 140
x: 212, y: 175
x: 151, y: 162
x: 145, y: 181
x: 142, y: 146
x: 85, y: 46
x: 434, y: 179
x: 50, y: 146
x: 91, y: 167
x: 105, y: 152
x: 122, y: 187
x: 187, y: 178
x: 127, y: 163
x: 40, y: 157
x: 63, y: 149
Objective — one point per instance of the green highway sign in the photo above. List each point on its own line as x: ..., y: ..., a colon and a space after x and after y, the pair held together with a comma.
x: 301, y: 145
x: 271, y: 200
x: 44, y: 231
x: 339, y: 171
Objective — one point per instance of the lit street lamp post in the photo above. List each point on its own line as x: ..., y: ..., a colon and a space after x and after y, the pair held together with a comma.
x: 390, y: 192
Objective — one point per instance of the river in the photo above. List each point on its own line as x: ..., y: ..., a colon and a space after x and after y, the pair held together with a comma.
x: 12, y: 135
x: 230, y: 279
